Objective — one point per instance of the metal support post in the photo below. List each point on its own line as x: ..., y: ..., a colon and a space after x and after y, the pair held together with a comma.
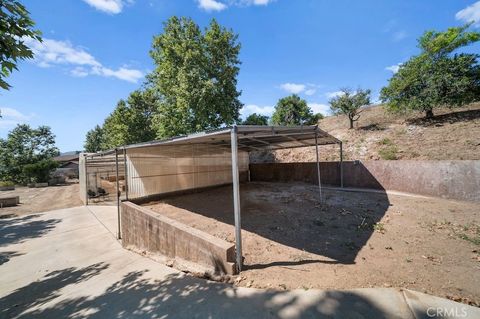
x: 236, y: 198
x: 341, y: 164
x: 86, y: 181
x: 118, y: 193
x: 125, y: 173
x: 318, y: 168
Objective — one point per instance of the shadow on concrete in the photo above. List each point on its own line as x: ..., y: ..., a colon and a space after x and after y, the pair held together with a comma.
x: 45, y: 290
x: 17, y: 230
x: 453, y: 117
x: 290, y: 214
x: 7, y: 215
x: 177, y: 296
x: 5, y: 256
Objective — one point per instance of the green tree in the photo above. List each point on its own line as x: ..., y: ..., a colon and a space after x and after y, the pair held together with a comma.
x: 256, y: 119
x: 350, y: 103
x: 292, y: 110
x: 95, y: 140
x: 15, y: 27
x: 129, y: 123
x: 437, y: 77
x: 40, y: 171
x: 195, y: 77
x: 25, y: 146
x: 115, y: 126
x: 143, y: 105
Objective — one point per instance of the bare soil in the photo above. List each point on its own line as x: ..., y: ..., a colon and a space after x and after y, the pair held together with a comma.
x: 453, y: 134
x: 36, y: 200
x: 351, y: 240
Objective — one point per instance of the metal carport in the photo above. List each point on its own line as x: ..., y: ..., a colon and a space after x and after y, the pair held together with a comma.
x: 201, y: 160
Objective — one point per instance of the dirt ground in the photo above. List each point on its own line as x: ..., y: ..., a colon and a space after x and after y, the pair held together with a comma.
x: 353, y: 239
x: 35, y: 200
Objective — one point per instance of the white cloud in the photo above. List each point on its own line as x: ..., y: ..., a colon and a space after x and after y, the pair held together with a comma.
x: 211, y: 5
x: 297, y: 88
x: 79, y: 72
x: 393, y: 68
x: 255, y: 2
x: 331, y: 95
x: 108, y: 6
x: 293, y: 87
x: 52, y: 52
x: 252, y: 108
x: 130, y: 75
x: 470, y: 14
x: 216, y: 5
x: 399, y: 35
x: 11, y: 117
x: 319, y: 108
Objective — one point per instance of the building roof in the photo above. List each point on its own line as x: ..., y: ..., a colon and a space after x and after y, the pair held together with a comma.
x: 66, y: 158
x: 250, y: 138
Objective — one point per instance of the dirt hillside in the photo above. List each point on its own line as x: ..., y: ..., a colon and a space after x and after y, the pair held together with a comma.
x: 450, y: 135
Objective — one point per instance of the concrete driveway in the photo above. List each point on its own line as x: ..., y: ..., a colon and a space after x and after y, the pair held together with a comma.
x: 68, y: 264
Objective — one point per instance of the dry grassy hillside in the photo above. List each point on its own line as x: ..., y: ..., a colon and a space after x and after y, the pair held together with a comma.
x: 450, y: 135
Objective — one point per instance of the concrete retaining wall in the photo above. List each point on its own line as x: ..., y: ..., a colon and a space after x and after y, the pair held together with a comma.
x: 150, y: 231
x: 448, y: 179
x: 9, y: 201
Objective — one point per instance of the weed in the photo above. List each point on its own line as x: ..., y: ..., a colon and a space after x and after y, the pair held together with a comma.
x: 379, y: 227
x: 470, y: 233
x: 388, y: 153
x: 386, y: 141
x: 474, y: 239
x: 6, y: 183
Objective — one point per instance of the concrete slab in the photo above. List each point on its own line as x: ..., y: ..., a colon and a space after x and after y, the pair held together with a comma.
x: 108, y: 216
x: 68, y: 264
x: 427, y: 306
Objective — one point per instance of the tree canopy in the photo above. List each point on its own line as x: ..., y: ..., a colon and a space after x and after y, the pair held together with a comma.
x: 95, y: 140
x: 292, y: 110
x: 26, y: 154
x: 15, y: 26
x: 195, y: 77
x: 130, y: 122
x: 256, y: 119
x: 349, y: 102
x: 192, y: 88
x: 437, y: 77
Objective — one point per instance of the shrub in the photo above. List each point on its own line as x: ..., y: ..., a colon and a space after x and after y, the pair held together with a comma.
x: 388, y: 153
x: 40, y: 171
x: 6, y: 183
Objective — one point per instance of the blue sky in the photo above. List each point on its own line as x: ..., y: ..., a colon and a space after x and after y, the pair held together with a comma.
x: 96, y: 52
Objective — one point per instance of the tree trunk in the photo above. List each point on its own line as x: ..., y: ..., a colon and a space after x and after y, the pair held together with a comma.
x: 351, y: 123
x: 429, y: 114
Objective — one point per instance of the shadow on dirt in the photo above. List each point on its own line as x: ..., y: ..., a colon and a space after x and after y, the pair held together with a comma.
x: 451, y: 118
x: 372, y: 127
x: 290, y: 214
x: 177, y: 296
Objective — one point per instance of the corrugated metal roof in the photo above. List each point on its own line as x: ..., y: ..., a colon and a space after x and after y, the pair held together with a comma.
x: 250, y: 138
